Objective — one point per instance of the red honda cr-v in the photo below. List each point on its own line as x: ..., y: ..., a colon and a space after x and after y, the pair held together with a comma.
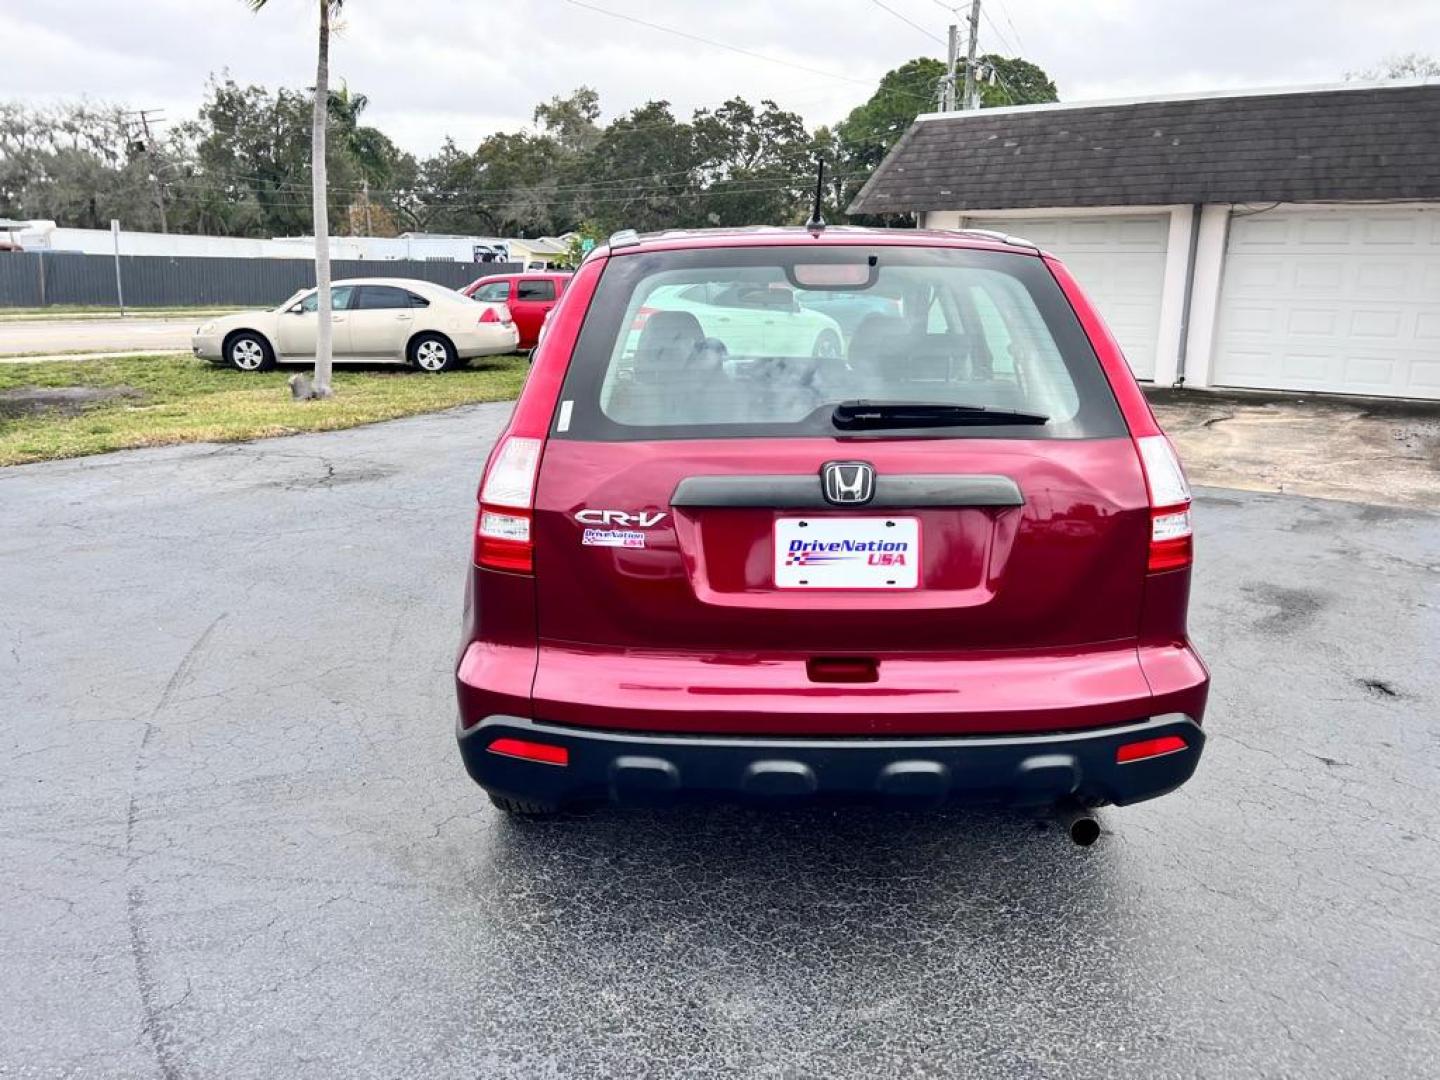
x: 946, y: 555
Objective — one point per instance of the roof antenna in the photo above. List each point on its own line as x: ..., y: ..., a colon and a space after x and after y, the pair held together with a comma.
x: 816, y: 224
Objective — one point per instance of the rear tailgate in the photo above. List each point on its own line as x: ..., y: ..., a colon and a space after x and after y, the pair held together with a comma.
x: 992, y: 579
x: 1064, y: 568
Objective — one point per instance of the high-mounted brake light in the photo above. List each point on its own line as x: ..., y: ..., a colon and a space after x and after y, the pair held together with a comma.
x: 642, y: 316
x: 1171, y: 540
x: 503, y: 537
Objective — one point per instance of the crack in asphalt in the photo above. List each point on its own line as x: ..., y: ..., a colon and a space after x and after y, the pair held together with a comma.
x: 153, y: 1014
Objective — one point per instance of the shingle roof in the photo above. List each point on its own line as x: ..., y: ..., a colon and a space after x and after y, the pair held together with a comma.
x: 1372, y: 142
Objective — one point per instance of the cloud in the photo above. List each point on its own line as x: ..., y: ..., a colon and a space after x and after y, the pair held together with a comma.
x: 466, y: 68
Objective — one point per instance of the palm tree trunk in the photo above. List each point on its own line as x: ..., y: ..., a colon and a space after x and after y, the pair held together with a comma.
x: 323, y: 328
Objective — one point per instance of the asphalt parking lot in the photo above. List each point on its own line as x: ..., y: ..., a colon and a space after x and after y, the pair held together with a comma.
x: 237, y: 840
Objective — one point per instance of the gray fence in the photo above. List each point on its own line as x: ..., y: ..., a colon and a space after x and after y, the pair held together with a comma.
x: 42, y: 278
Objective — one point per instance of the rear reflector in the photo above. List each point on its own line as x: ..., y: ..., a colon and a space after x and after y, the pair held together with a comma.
x: 1150, y: 748
x: 530, y: 751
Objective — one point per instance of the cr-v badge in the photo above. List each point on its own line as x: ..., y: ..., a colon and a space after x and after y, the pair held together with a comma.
x: 641, y: 519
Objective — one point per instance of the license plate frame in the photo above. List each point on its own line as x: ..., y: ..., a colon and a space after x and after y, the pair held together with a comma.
x: 882, y: 554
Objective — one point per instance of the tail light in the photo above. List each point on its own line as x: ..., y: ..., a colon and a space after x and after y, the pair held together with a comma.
x: 503, y: 536
x: 1171, y: 542
x: 497, y: 314
x: 641, y: 317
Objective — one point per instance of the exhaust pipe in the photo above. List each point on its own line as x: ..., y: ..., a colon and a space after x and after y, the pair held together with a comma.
x: 1079, y: 822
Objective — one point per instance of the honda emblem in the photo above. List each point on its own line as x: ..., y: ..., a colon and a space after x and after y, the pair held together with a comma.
x: 848, y: 483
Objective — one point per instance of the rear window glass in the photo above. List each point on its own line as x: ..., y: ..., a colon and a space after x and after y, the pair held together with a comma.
x: 493, y: 293
x: 769, y: 341
x: 535, y: 290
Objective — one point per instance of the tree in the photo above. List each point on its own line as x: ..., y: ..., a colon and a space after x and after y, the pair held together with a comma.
x: 754, y: 165
x: 867, y: 134
x: 75, y: 164
x: 320, y: 388
x: 873, y: 128
x: 1404, y: 66
x: 644, y: 168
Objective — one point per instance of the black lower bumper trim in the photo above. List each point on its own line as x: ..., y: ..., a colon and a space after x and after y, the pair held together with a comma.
x: 1033, y: 770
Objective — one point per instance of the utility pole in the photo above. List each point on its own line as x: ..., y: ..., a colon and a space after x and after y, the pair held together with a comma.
x: 368, y: 229
x: 144, y: 115
x: 119, y: 287
x: 970, y: 87
x: 947, y: 92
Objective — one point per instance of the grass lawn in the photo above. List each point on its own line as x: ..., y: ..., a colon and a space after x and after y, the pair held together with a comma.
x: 61, y: 409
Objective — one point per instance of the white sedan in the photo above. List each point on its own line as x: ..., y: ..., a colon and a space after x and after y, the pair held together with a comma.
x: 375, y: 320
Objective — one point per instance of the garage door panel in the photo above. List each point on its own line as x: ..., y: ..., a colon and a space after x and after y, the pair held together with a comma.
x: 1312, y: 321
x: 1391, y: 230
x: 1376, y: 324
x: 1305, y: 367
x: 1141, y: 232
x: 1375, y: 372
x: 1257, y: 273
x: 1262, y: 232
x: 1376, y: 278
x: 1425, y: 376
x: 1120, y: 262
x: 1320, y: 275
x: 1324, y: 230
x: 1346, y: 301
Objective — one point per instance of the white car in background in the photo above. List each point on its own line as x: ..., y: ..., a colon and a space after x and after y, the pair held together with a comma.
x: 374, y: 321
x: 751, y: 319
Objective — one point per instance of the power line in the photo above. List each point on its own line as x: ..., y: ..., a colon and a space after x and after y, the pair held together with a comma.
x: 794, y: 184
x: 1004, y: 11
x: 203, y: 180
x: 907, y: 21
x: 1005, y: 43
x: 711, y: 41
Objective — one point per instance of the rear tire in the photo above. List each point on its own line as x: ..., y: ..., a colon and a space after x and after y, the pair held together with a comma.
x: 247, y: 351
x: 522, y: 809
x: 432, y: 353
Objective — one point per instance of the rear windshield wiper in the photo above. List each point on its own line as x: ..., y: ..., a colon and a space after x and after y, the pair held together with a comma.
x: 864, y: 415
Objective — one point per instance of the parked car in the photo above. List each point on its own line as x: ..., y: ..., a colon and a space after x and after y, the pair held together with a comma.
x: 953, y: 563
x: 748, y: 318
x: 529, y: 297
x: 849, y: 309
x: 375, y: 320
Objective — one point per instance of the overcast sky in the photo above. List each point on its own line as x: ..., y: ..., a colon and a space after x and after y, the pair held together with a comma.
x: 467, y: 68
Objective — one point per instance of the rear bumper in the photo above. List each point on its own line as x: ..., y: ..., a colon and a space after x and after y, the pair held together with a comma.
x: 1021, y: 770
x: 486, y: 340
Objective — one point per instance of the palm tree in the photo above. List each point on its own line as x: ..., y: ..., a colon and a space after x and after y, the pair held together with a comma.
x: 323, y: 328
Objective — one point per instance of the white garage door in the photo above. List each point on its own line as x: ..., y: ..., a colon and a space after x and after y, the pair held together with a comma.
x: 1120, y: 263
x: 1344, y: 300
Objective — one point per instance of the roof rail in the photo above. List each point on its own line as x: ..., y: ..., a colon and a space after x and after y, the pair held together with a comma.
x: 1004, y: 238
x: 624, y: 238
